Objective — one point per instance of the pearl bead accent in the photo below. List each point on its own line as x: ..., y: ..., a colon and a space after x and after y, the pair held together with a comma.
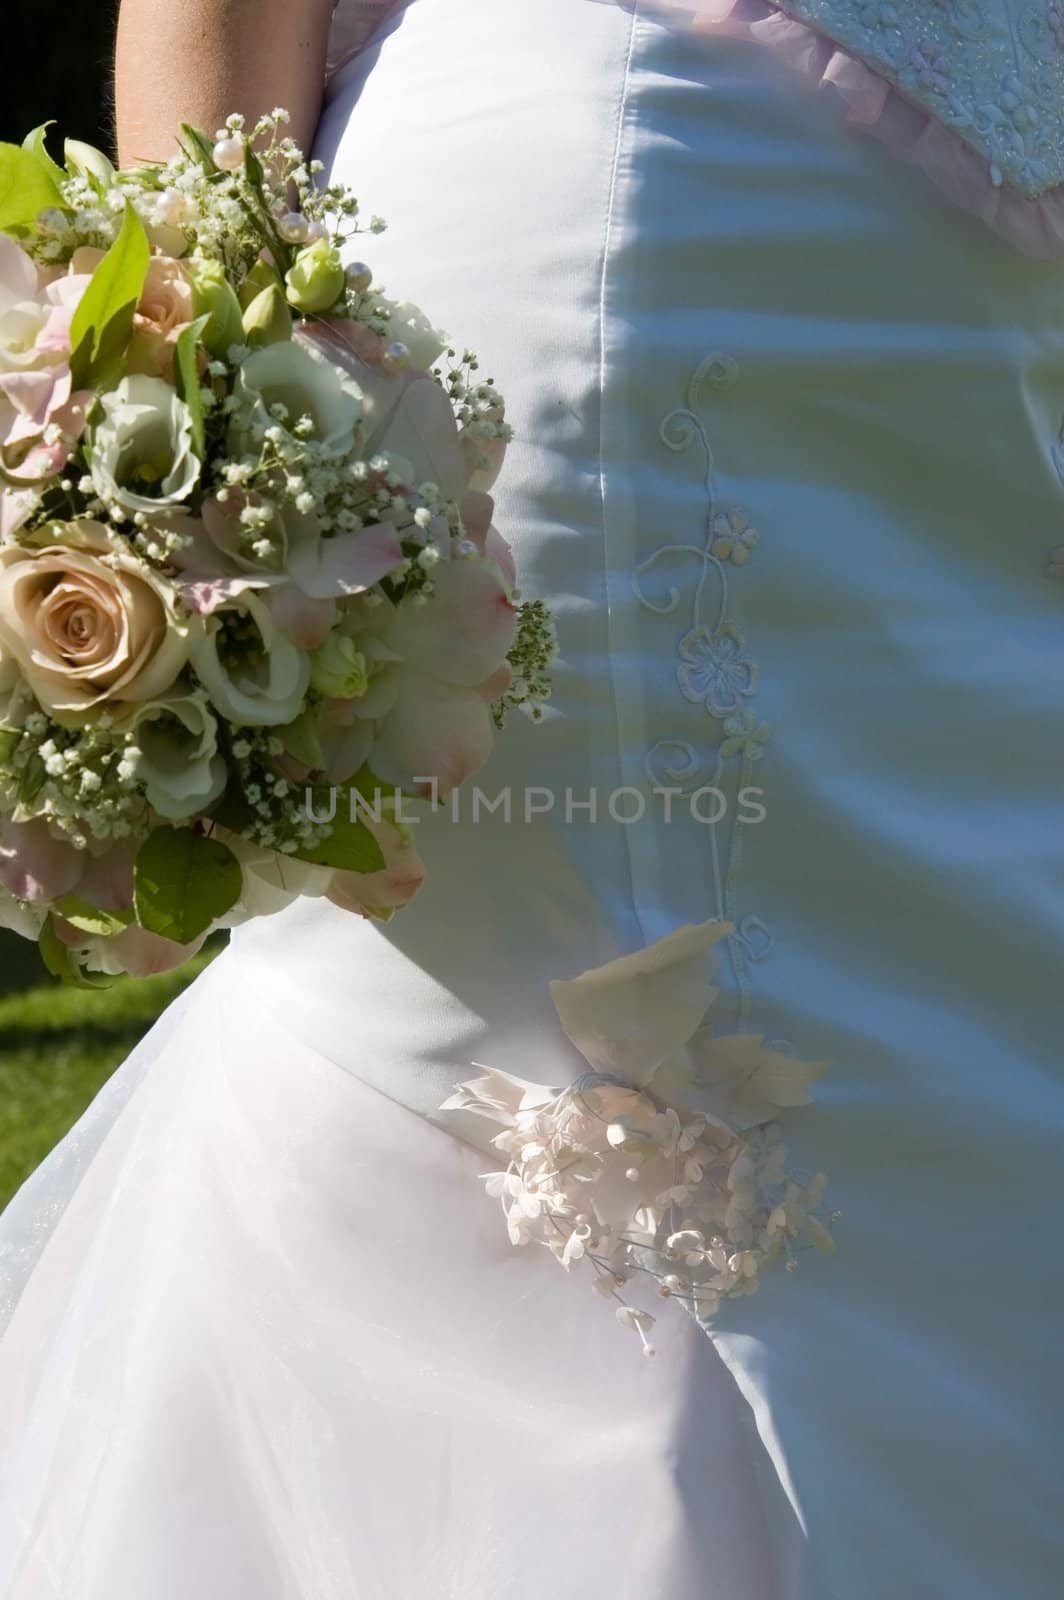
x: 229, y: 154
x: 396, y: 358
x: 359, y: 277
x: 294, y: 228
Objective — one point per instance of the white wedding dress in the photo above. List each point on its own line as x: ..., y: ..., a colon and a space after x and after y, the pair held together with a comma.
x: 267, y: 1338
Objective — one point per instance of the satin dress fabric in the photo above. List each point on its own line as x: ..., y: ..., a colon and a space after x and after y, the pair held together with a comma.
x: 266, y: 1333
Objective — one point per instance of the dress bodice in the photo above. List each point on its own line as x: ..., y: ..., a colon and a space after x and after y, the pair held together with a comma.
x: 972, y: 91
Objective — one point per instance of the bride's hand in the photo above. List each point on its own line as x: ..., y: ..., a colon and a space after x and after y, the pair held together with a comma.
x: 198, y: 60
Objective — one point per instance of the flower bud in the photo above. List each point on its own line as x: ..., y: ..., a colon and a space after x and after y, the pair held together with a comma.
x: 261, y: 276
x: 267, y: 319
x: 316, y: 280
x: 337, y: 669
x: 213, y: 297
x: 85, y: 161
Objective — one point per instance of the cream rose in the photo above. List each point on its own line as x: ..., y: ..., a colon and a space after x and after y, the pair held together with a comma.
x: 165, y: 308
x: 88, y: 623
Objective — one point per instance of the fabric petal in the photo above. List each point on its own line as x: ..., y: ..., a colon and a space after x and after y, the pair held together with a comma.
x: 632, y: 1014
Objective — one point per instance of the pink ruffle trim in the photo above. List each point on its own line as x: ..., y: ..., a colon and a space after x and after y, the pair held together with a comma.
x: 909, y: 132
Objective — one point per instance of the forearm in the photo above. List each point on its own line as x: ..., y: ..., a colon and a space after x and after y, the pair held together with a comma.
x: 197, y: 60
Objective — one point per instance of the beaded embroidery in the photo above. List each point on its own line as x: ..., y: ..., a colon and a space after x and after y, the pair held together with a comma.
x: 992, y: 70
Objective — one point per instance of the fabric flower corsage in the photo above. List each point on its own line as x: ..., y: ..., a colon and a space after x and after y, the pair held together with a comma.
x: 663, y: 1163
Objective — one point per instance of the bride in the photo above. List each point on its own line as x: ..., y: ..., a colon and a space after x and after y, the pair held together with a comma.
x: 775, y: 294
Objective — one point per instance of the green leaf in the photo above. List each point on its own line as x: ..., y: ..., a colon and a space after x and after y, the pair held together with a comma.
x: 27, y: 187
x: 89, y: 918
x: 350, y: 846
x: 10, y: 739
x: 35, y: 143
x: 198, y: 147
x: 33, y: 775
x: 233, y: 811
x: 62, y: 962
x: 187, y: 379
x: 301, y: 741
x: 103, y: 320
x: 183, y: 881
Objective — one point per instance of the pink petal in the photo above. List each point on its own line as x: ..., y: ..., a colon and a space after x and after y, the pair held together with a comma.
x: 345, y: 738
x: 465, y: 632
x: 34, y: 865
x: 497, y: 549
x: 144, y: 954
x: 497, y: 684
x: 204, y: 595
x: 15, y: 507
x: 394, y: 885
x: 350, y: 563
x: 483, y: 460
x: 18, y: 275
x: 304, y: 621
x: 107, y: 881
x: 422, y: 428
x: 29, y: 393
x: 477, y: 510
x: 435, y: 731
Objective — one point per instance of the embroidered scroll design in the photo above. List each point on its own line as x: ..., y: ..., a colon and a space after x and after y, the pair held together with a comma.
x: 714, y: 670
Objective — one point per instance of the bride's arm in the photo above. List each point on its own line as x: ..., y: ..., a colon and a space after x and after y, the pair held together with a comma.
x: 197, y: 60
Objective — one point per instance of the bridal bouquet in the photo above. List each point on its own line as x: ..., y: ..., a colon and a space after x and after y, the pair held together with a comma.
x: 246, y: 553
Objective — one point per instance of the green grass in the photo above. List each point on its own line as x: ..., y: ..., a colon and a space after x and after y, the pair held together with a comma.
x: 57, y: 1048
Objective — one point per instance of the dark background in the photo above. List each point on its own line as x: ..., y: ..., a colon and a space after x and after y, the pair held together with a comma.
x: 68, y: 81
x: 65, y: 76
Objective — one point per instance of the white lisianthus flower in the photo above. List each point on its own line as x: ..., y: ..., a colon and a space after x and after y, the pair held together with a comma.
x: 286, y: 374
x: 408, y: 325
x: 178, y: 762
x: 254, y: 675
x: 140, y: 454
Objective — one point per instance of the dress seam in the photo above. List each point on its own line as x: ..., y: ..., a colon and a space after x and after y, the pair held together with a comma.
x: 615, y: 653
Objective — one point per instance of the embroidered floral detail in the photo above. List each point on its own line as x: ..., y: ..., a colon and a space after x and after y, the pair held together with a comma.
x: 715, y: 672
x: 664, y: 1162
x: 734, y: 539
x: 746, y: 736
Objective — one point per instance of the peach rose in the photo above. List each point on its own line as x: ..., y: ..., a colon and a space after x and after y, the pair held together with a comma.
x: 164, y: 310
x: 87, y: 622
